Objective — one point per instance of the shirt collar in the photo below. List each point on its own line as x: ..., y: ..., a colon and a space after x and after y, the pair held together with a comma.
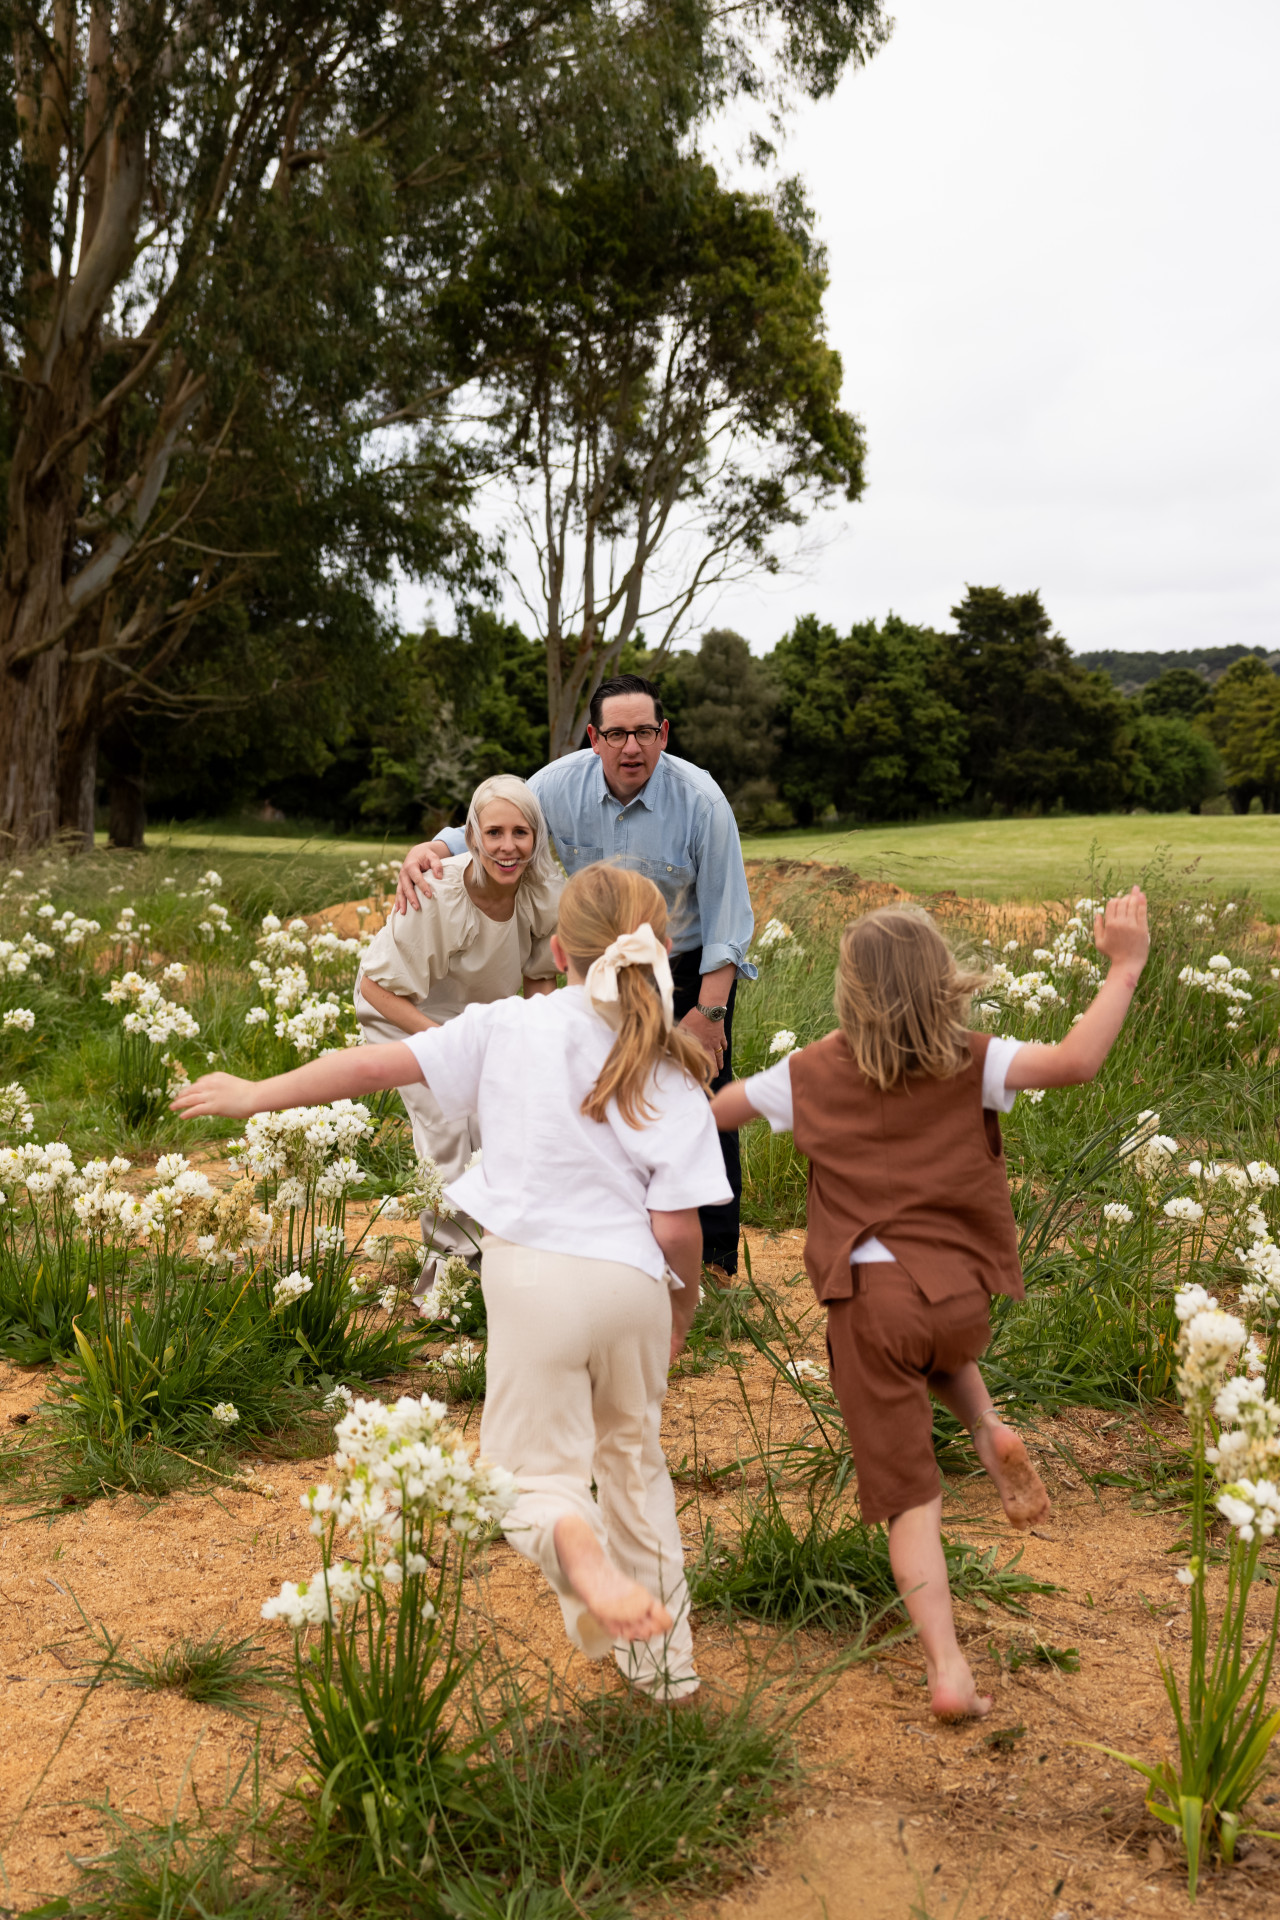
x: 647, y: 794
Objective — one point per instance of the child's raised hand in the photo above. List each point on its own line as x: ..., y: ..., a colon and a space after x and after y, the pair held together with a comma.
x: 219, y: 1093
x: 1121, y: 933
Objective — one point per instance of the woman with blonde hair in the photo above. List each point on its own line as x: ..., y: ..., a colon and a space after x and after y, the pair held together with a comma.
x: 910, y: 1230
x: 599, y: 1150
x: 484, y: 930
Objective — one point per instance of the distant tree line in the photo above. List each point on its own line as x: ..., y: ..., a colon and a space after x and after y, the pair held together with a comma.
x: 886, y: 721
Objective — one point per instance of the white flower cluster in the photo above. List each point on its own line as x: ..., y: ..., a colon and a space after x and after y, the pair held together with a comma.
x: 1032, y: 991
x: 70, y: 928
x: 217, y: 921
x: 1116, y: 1214
x: 450, y: 1291
x: 1260, y: 1295
x: 426, y: 1195
x: 1220, y: 978
x: 303, y: 1018
x: 311, y: 1026
x: 463, y: 1353
x: 295, y: 1286
x: 19, y: 1020
x: 783, y: 1041
x: 224, y: 1414
x: 1258, y: 1173
x: 149, y: 1012
x: 46, y: 1172
x: 1209, y: 1345
x: 327, y: 946
x: 1183, y: 1209
x: 1148, y: 1150
x: 15, y: 1109
x: 302, y: 1144
x: 805, y: 1370
x: 16, y: 956
x: 279, y: 942
x: 777, y: 942
x: 403, y: 1469
x: 384, y: 874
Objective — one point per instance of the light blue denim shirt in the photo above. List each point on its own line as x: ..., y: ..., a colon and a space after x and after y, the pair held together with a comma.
x: 679, y: 830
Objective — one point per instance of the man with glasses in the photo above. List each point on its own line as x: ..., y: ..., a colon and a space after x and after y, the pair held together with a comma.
x: 624, y: 798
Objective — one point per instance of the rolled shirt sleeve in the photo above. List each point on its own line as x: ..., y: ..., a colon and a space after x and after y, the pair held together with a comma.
x: 724, y: 903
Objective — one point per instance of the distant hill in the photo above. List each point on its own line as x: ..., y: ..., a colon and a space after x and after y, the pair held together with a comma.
x: 1133, y: 670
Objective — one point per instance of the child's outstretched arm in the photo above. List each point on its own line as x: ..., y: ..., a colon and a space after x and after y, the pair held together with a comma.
x: 337, y: 1076
x: 731, y: 1109
x: 1123, y: 937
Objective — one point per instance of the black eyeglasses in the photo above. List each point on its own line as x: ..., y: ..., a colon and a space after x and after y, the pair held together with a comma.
x: 619, y: 736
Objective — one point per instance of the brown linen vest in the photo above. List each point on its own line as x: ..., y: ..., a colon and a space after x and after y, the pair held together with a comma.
x: 921, y: 1168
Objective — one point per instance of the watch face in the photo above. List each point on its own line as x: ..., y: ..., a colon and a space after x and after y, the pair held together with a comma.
x: 714, y: 1014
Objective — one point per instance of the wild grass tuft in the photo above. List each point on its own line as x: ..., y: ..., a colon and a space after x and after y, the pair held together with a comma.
x: 816, y: 1566
x: 215, y: 1672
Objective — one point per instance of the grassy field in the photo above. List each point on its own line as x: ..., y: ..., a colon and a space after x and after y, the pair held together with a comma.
x: 993, y: 859
x: 1044, y: 859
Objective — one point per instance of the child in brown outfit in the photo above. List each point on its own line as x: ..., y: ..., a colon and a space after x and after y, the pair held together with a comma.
x: 910, y: 1229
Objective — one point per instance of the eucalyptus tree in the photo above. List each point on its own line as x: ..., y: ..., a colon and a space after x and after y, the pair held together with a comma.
x: 224, y: 222
x: 224, y: 235
x: 669, y: 402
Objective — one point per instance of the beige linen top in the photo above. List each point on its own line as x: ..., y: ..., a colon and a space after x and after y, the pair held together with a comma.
x: 450, y: 954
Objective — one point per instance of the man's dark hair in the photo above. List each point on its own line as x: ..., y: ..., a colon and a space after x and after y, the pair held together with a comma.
x: 625, y: 683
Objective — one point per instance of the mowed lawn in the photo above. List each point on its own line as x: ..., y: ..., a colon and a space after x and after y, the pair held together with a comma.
x: 1050, y: 859
x: 994, y: 859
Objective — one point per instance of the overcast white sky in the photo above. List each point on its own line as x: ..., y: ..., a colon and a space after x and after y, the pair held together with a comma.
x: 1055, y: 285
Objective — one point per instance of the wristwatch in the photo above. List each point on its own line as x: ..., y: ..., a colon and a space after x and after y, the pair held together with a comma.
x: 714, y: 1014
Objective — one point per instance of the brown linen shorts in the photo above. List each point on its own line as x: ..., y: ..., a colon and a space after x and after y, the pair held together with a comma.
x: 884, y: 1346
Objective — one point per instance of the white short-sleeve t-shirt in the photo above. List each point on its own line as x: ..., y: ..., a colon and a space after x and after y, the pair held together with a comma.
x: 770, y: 1094
x: 548, y: 1177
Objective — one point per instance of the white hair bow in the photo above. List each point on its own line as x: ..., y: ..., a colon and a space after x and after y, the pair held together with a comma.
x: 639, y: 949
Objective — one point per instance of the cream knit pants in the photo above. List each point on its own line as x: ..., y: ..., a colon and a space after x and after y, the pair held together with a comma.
x: 577, y: 1371
x: 450, y: 1143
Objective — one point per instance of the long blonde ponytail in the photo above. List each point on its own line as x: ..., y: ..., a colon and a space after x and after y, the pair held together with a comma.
x: 599, y: 904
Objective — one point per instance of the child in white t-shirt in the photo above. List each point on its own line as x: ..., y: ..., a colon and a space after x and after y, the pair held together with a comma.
x: 599, y: 1150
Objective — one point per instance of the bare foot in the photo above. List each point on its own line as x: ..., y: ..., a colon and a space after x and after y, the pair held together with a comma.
x: 953, y: 1694
x: 1022, y: 1491
x: 625, y: 1609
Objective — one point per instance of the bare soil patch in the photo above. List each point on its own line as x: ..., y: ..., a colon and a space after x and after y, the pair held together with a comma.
x: 894, y: 1809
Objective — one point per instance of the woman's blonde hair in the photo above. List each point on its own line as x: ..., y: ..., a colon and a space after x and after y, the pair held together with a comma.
x: 901, y: 999
x: 598, y: 904
x: 505, y: 786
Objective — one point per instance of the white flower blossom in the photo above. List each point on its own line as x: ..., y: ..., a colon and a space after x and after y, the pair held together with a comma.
x: 19, y: 1019
x: 783, y: 1041
x: 224, y: 1414
x: 1116, y: 1214
x: 293, y: 1287
x: 1183, y: 1208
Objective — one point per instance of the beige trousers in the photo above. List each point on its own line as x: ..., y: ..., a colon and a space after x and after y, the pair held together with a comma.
x: 450, y: 1143
x: 577, y: 1371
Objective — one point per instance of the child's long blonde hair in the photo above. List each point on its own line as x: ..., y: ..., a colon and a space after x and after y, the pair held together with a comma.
x: 598, y: 904
x: 901, y: 1000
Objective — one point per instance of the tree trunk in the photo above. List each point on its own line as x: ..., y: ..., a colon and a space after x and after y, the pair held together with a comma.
x: 32, y: 608
x: 29, y: 753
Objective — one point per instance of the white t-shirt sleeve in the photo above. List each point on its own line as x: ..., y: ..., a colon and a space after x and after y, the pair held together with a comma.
x: 770, y: 1094
x: 452, y: 1059
x: 995, y: 1094
x: 682, y: 1148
